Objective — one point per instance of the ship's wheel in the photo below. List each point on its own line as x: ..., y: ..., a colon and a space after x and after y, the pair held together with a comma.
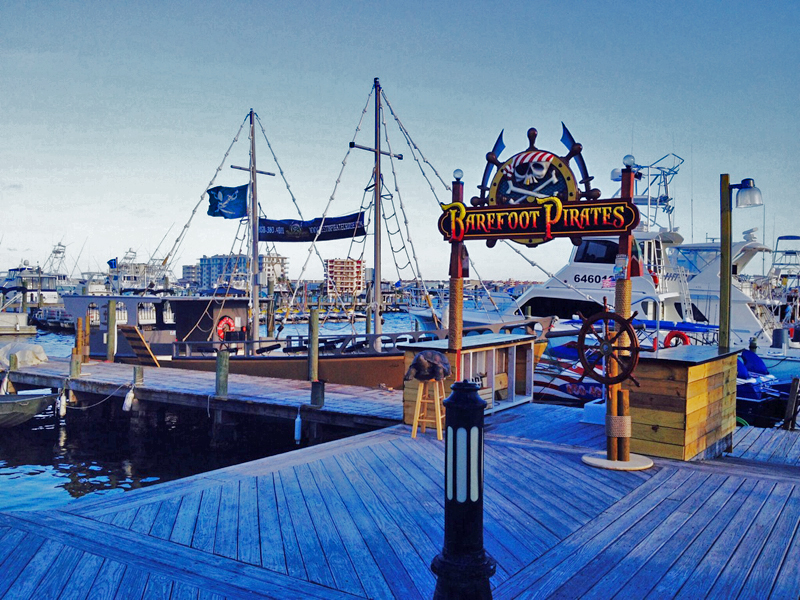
x: 607, y: 338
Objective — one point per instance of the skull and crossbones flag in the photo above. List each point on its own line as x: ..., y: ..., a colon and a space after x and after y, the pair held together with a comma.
x: 227, y: 202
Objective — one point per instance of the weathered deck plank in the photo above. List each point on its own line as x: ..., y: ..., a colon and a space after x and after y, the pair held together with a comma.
x: 33, y: 573
x: 369, y: 573
x: 15, y: 563
x: 271, y: 544
x: 363, y: 517
x: 249, y: 544
x: 765, y: 568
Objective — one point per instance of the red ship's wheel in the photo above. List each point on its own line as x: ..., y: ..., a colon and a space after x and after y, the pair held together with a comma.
x: 601, y: 342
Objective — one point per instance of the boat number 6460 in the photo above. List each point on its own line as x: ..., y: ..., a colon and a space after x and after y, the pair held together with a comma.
x: 591, y: 278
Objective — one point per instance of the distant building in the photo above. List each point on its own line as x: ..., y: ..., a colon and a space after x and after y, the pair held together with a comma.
x: 345, y: 276
x: 223, y: 268
x: 191, y: 274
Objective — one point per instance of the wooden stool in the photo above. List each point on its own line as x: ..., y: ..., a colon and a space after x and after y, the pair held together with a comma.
x: 425, y: 401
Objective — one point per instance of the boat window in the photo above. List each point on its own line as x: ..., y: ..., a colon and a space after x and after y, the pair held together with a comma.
x: 694, y: 260
x: 563, y: 308
x: 697, y: 314
x: 597, y: 251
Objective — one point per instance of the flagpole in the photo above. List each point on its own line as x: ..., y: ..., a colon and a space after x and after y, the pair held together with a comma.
x: 255, y: 290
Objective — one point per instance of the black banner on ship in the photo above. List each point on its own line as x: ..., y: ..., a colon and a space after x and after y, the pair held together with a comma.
x: 291, y: 230
x: 544, y: 219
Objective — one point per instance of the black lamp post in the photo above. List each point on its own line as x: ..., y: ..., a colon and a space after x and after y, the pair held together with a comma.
x: 463, y: 567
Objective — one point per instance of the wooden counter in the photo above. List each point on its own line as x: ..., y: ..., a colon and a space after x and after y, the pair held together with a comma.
x: 686, y: 405
x: 502, y: 363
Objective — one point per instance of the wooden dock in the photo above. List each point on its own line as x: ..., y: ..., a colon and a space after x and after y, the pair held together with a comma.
x: 345, y: 405
x: 363, y: 517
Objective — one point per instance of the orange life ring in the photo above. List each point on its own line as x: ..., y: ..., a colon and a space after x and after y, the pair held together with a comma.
x: 683, y: 339
x: 225, y: 324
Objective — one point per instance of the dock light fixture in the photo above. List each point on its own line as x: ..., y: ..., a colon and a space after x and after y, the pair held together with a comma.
x: 458, y: 174
x: 747, y: 195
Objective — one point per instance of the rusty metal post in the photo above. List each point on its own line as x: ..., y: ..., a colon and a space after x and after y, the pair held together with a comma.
x: 459, y: 268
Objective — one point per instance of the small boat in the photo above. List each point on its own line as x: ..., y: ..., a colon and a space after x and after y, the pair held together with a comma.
x: 760, y: 396
x: 16, y: 409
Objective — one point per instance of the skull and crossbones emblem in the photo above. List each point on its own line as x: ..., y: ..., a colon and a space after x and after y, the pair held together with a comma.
x: 527, y: 175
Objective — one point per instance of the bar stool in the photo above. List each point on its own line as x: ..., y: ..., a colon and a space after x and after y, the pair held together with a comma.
x: 429, y: 398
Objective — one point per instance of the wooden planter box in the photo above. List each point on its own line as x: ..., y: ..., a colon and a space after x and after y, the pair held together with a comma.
x: 686, y: 405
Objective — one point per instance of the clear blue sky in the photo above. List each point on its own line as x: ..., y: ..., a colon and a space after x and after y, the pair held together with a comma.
x: 113, y: 118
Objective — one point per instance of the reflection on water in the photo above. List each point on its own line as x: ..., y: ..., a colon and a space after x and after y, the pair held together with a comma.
x: 44, y: 463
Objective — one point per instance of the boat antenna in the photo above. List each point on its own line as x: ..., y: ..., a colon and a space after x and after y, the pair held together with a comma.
x: 75, y: 266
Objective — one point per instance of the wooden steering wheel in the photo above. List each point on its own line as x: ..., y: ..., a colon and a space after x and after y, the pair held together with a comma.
x: 606, y: 345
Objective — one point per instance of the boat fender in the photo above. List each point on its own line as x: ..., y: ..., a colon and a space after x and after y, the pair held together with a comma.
x: 683, y: 339
x: 128, y: 403
x: 4, y: 385
x: 62, y: 404
x: 298, y: 428
x: 654, y: 276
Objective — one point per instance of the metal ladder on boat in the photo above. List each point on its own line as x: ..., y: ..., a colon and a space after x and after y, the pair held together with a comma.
x: 686, y: 300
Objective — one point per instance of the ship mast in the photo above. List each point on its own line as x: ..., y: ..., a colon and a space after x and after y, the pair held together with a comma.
x: 376, y: 282
x: 254, y: 287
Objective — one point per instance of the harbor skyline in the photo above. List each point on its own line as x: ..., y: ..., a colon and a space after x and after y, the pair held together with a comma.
x: 116, y: 118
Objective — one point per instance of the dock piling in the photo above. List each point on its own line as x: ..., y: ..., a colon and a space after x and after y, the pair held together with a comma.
x: 223, y: 367
x: 313, y: 345
x: 138, y: 375
x: 111, y: 336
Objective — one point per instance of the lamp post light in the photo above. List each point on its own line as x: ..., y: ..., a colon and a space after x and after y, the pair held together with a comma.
x: 747, y: 195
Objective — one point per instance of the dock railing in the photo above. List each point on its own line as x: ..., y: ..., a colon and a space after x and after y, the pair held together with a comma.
x: 348, y: 344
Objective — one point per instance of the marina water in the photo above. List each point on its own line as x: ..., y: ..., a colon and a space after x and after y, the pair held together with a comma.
x: 46, y: 464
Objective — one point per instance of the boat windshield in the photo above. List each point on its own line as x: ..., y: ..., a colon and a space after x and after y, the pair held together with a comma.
x: 601, y: 252
x: 597, y: 251
x: 694, y: 260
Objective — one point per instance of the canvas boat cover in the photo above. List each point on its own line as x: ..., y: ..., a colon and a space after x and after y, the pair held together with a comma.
x: 27, y: 354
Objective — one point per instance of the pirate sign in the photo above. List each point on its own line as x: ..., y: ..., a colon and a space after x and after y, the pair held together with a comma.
x: 532, y: 177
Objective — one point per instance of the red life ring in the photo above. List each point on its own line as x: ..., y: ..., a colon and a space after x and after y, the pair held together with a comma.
x: 224, y: 324
x: 683, y: 339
